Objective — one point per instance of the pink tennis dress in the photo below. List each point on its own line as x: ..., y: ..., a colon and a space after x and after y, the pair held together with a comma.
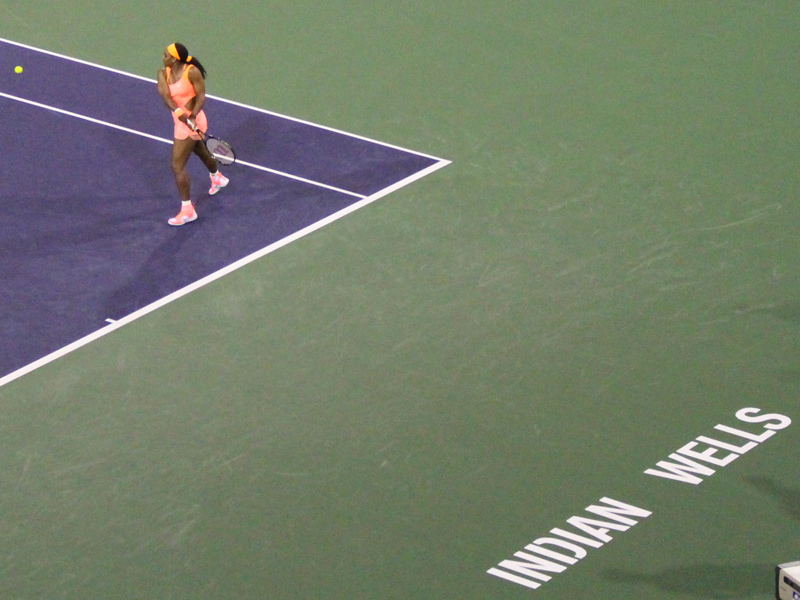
x: 182, y: 91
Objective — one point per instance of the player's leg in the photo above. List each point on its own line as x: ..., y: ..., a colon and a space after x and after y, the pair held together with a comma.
x: 218, y: 180
x: 181, y: 151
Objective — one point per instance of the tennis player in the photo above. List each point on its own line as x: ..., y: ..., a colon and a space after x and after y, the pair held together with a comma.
x: 181, y: 84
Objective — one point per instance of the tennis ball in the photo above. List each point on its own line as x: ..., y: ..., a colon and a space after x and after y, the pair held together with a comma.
x: 17, y: 69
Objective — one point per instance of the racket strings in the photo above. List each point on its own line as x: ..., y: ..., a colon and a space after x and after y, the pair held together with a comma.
x: 221, y: 151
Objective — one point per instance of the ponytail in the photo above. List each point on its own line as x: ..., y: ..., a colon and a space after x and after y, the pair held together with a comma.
x: 179, y: 52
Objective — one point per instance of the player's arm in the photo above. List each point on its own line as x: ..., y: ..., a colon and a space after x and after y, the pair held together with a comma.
x: 163, y: 90
x: 199, y: 84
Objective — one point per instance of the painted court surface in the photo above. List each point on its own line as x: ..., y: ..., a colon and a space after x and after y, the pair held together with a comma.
x: 91, y: 249
x: 565, y: 365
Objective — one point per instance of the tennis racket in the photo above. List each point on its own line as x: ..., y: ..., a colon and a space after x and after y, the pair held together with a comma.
x: 219, y: 149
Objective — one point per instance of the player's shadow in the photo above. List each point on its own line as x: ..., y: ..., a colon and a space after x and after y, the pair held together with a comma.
x: 705, y: 581
x: 788, y: 311
x: 788, y: 498
x: 151, y: 280
x: 251, y: 138
x: 252, y: 135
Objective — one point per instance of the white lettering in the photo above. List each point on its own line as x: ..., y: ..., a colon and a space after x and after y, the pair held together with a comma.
x: 576, y: 538
x: 615, y: 513
x: 725, y: 446
x: 601, y: 529
x: 744, y: 434
x: 514, y: 578
x: 707, y: 455
x: 536, y: 549
x: 579, y: 552
x: 692, y: 472
x: 531, y: 569
x: 782, y: 420
x: 681, y: 472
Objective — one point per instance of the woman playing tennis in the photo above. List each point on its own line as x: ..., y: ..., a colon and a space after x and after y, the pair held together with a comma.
x: 181, y: 84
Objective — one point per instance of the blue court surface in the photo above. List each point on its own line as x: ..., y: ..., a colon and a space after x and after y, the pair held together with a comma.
x: 83, y: 235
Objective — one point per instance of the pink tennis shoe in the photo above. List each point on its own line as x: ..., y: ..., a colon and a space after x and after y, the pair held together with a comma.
x: 218, y: 181
x: 187, y: 215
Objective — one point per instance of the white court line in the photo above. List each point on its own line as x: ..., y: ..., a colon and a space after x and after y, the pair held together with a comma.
x: 255, y: 108
x: 113, y: 326
x: 116, y: 324
x: 166, y: 141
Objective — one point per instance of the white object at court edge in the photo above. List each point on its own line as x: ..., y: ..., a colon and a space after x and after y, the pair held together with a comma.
x: 787, y: 581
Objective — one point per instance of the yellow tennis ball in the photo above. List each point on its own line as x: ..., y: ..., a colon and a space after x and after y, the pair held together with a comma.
x: 17, y: 69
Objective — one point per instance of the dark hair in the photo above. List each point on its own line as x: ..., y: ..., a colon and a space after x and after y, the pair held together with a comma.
x: 183, y: 55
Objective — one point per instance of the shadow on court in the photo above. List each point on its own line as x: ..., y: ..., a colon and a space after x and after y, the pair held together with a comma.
x: 788, y: 498
x: 788, y: 311
x: 705, y: 581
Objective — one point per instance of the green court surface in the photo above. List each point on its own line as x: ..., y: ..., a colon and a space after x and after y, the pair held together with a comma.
x: 398, y: 403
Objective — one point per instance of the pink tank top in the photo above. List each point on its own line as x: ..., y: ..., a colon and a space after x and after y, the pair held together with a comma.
x: 182, y: 90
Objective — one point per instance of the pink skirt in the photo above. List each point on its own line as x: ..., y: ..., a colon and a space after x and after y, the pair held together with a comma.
x: 184, y: 131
